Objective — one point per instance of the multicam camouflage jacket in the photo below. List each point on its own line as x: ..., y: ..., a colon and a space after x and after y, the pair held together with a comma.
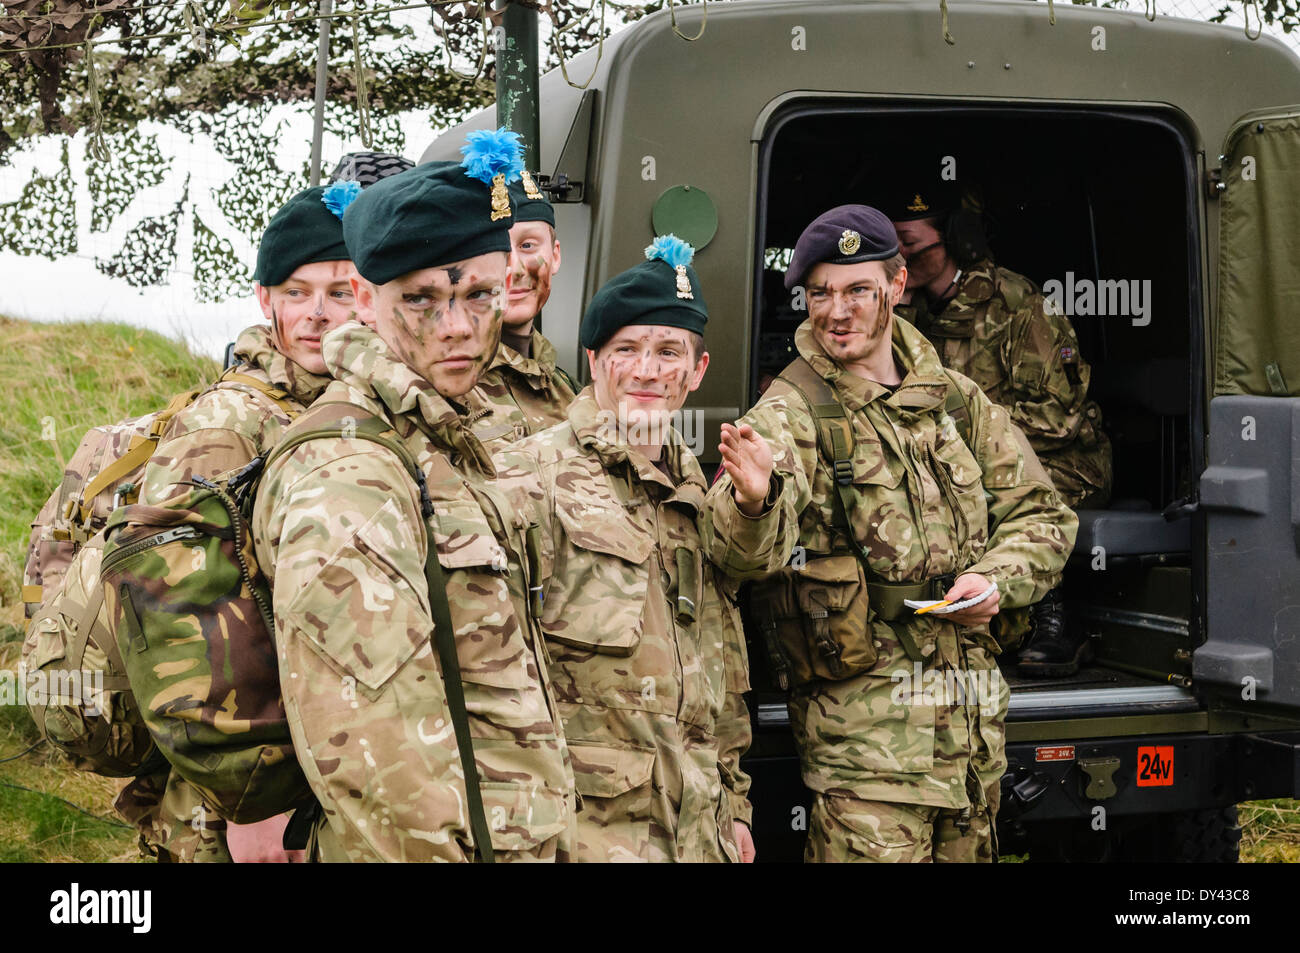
x: 646, y: 651
x: 233, y: 422
x: 1015, y: 344
x: 918, y: 510
x: 338, y: 530
x: 224, y: 429
x: 518, y: 395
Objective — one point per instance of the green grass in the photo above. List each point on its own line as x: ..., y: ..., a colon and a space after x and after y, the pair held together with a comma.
x: 71, y: 377
x: 78, y: 376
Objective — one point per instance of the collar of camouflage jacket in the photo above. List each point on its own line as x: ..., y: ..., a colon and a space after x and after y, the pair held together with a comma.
x: 597, y: 432
x: 537, y: 370
x: 360, y: 358
x: 253, y: 346
x: 977, y: 285
x: 925, y: 383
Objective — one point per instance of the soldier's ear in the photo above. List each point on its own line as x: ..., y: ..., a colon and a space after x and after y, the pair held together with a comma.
x: 555, y: 257
x: 263, y: 300
x: 363, y: 294
x: 701, y: 365
x: 898, y: 286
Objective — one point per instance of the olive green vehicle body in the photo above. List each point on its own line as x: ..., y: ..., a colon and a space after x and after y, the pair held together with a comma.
x: 1186, y: 129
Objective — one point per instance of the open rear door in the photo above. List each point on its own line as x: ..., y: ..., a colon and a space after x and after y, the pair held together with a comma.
x: 1250, y: 492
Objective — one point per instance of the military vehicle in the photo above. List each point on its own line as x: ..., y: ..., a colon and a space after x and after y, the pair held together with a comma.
x: 1161, y: 159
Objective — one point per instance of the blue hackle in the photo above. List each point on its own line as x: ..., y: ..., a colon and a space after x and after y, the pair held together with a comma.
x: 671, y: 249
x: 489, y: 153
x: 338, y: 196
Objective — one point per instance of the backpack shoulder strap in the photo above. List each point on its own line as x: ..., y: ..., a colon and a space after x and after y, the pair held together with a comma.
x: 138, y: 452
x: 342, y: 419
x: 834, y: 431
x: 277, y: 395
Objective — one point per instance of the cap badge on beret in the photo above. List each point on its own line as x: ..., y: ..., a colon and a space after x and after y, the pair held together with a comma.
x: 678, y: 254
x: 530, y: 188
x: 918, y: 205
x: 850, y: 242
x: 494, y: 158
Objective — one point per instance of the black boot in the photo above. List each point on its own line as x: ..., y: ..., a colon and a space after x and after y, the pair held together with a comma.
x: 1051, y: 650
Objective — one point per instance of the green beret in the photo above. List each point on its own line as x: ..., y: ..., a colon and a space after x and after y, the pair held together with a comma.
x: 303, y: 232
x: 530, y: 209
x: 431, y: 215
x: 663, y: 290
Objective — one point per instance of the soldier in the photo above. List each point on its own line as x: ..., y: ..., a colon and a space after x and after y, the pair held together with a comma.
x: 646, y: 649
x: 524, y: 391
x: 303, y: 285
x: 375, y: 691
x: 997, y: 328
x: 883, y: 462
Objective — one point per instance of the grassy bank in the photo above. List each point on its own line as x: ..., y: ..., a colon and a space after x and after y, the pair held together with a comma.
x: 59, y: 381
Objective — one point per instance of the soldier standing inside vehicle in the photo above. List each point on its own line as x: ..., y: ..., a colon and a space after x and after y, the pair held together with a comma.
x: 997, y: 328
x: 524, y: 390
x: 303, y: 285
x: 646, y: 648
x: 883, y: 460
x: 412, y: 672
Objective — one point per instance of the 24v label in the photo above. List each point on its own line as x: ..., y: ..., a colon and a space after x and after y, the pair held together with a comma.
x: 1155, y: 766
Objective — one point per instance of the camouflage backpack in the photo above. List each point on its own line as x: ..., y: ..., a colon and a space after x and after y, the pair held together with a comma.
x: 76, y: 688
x: 191, y: 612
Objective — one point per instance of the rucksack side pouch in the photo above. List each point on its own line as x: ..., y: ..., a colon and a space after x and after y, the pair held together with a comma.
x: 75, y: 686
x: 814, y: 619
x: 191, y: 613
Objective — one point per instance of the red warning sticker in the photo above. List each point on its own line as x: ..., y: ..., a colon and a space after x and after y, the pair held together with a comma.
x: 1054, y: 753
x: 1155, y: 766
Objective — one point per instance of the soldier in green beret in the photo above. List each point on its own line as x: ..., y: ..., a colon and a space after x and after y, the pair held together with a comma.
x: 646, y: 649
x: 412, y: 670
x: 998, y: 329
x: 303, y: 283
x: 524, y: 390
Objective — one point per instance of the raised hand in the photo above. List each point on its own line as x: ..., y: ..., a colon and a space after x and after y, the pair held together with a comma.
x: 748, y: 461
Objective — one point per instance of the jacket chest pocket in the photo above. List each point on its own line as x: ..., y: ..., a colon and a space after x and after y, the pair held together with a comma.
x: 958, y: 474
x: 492, y: 641
x: 596, y: 596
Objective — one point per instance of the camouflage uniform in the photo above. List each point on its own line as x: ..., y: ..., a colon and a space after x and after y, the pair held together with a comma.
x: 518, y: 395
x: 222, y: 430
x: 648, y: 667
x: 1004, y: 335
x: 919, y: 510
x: 337, y: 525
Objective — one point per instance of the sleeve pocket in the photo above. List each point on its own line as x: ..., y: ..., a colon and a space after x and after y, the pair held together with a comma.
x: 359, y: 612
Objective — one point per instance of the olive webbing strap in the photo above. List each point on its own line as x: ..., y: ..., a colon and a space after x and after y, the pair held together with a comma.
x: 277, y: 394
x: 835, y: 434
x: 372, y: 428
x: 140, y: 449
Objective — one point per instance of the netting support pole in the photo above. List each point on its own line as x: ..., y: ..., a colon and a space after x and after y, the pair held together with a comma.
x: 322, y: 81
x: 515, y: 39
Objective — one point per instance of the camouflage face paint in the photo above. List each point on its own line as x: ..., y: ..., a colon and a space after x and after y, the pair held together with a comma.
x: 454, y: 275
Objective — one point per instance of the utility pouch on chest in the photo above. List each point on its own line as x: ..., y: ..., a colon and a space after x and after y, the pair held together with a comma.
x: 814, y: 620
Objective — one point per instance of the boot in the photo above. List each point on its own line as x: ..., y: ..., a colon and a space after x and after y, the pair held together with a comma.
x: 1051, y: 650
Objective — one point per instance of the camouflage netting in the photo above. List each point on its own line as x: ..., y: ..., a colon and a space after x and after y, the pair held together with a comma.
x: 134, y: 163
x: 43, y: 221
x: 149, y: 250
x: 218, y: 68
